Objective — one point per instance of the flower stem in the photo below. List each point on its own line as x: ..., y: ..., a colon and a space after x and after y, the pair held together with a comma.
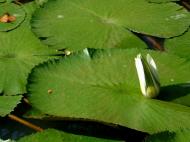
x: 24, y: 122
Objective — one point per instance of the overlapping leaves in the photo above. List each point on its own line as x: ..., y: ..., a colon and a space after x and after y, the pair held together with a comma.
x: 18, y: 56
x: 179, y: 46
x: 20, y: 51
x: 107, y: 89
x: 82, y: 24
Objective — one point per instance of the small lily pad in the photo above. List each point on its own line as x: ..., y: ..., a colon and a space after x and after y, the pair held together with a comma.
x: 13, y: 10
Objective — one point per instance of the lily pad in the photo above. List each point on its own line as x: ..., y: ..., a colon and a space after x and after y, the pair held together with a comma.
x: 20, y: 51
x: 106, y: 89
x: 14, y: 10
x: 179, y: 46
x: 18, y: 56
x: 178, y: 136
x: 82, y: 24
x: 8, y: 103
x: 30, y: 8
x: 52, y: 135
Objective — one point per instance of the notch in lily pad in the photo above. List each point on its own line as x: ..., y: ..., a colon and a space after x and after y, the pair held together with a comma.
x: 11, y: 16
x: 148, y: 76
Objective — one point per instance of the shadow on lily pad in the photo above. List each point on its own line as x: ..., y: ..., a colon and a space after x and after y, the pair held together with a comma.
x: 179, y: 93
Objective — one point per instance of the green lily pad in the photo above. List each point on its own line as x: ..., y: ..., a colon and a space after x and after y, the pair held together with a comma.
x: 179, y: 46
x: 18, y: 55
x: 178, y: 136
x: 20, y: 51
x: 30, y: 8
x: 106, y: 89
x: 8, y: 103
x: 52, y: 135
x: 83, y: 24
x: 14, y: 10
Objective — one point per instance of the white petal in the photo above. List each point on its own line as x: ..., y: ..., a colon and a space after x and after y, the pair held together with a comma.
x: 152, y: 66
x: 85, y: 51
x: 141, y: 74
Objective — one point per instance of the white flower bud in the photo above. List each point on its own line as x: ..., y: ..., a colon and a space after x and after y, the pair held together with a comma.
x: 148, y: 76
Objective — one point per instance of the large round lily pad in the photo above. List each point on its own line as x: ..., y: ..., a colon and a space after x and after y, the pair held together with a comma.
x: 78, y: 24
x: 14, y: 10
x: 106, y: 89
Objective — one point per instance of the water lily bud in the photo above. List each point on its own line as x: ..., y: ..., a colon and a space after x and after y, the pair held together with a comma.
x: 67, y: 52
x: 148, y: 76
